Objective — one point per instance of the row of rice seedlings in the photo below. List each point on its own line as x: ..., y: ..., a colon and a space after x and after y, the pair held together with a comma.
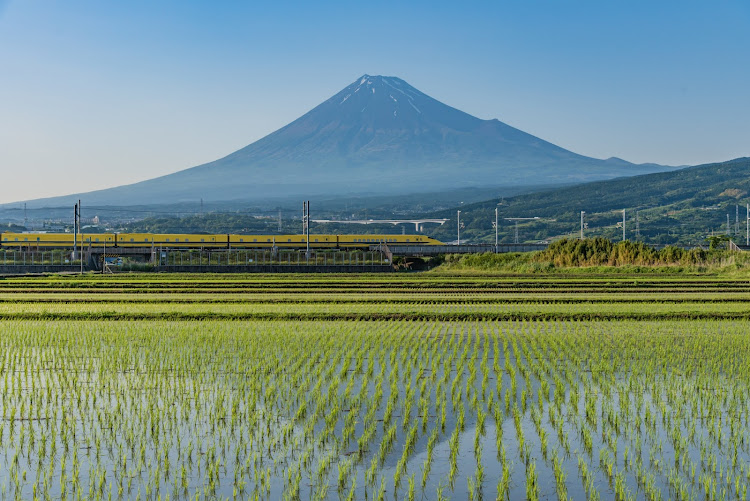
x: 273, y: 409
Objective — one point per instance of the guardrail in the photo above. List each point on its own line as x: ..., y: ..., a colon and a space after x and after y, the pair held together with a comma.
x: 40, y: 258
x: 737, y: 248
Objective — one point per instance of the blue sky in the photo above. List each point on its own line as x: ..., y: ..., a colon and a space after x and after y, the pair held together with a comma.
x: 98, y: 94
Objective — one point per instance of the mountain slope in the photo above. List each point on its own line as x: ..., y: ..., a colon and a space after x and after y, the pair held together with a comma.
x: 378, y: 135
x: 682, y: 206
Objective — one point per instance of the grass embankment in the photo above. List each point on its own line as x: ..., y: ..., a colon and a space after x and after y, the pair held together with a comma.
x: 600, y: 256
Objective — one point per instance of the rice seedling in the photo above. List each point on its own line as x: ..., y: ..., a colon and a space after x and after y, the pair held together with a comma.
x: 248, y: 399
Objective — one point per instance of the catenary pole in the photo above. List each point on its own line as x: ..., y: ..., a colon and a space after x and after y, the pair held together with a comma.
x: 582, y: 213
x: 75, y: 231
x: 307, y: 224
x: 458, y: 228
x: 79, y: 229
x: 495, y: 229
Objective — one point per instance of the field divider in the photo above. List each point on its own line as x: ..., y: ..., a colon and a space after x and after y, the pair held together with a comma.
x: 447, y: 317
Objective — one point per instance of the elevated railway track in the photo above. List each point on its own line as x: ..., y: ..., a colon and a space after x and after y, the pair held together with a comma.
x: 43, y: 252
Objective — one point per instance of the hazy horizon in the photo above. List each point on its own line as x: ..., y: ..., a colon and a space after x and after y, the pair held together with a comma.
x: 100, y: 95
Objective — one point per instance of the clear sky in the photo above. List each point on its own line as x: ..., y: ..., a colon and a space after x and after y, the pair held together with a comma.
x: 99, y: 93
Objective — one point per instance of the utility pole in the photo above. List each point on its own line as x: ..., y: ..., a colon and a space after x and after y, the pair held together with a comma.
x: 75, y: 230
x: 307, y: 229
x: 582, y: 213
x: 79, y: 229
x: 623, y: 225
x: 458, y: 223
x: 304, y: 214
x: 495, y: 229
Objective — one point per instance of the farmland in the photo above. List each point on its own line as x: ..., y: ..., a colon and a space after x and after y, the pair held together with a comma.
x: 374, y: 387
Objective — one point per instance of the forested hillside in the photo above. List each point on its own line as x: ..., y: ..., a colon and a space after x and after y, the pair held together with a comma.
x: 681, y: 207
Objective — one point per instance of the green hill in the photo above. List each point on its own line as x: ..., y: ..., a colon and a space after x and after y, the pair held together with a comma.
x: 679, y: 207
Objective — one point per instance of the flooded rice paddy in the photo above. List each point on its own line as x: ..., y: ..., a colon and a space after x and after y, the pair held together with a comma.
x: 361, y: 408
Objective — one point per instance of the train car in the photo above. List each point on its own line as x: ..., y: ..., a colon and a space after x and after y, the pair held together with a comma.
x: 300, y: 241
x: 282, y: 241
x: 390, y: 240
x: 252, y: 241
x: 215, y: 241
x: 56, y: 240
x: 319, y: 241
x: 134, y: 240
x: 191, y: 241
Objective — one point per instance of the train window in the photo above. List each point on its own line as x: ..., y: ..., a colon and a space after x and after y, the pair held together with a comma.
x: 167, y: 240
x: 202, y: 240
x: 242, y: 239
x: 16, y: 239
x: 25, y: 239
x: 268, y: 240
x: 95, y: 240
x: 316, y: 239
x: 289, y: 240
x: 132, y: 240
x: 255, y: 239
x: 176, y: 240
x: 407, y: 239
x: 37, y: 239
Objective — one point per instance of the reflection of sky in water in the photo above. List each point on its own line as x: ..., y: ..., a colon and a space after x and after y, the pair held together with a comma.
x: 632, y: 384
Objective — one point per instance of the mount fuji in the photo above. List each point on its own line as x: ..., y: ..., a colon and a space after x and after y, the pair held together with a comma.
x: 379, y: 135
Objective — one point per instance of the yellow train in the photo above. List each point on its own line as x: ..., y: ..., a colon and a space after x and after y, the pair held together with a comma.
x: 225, y: 241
